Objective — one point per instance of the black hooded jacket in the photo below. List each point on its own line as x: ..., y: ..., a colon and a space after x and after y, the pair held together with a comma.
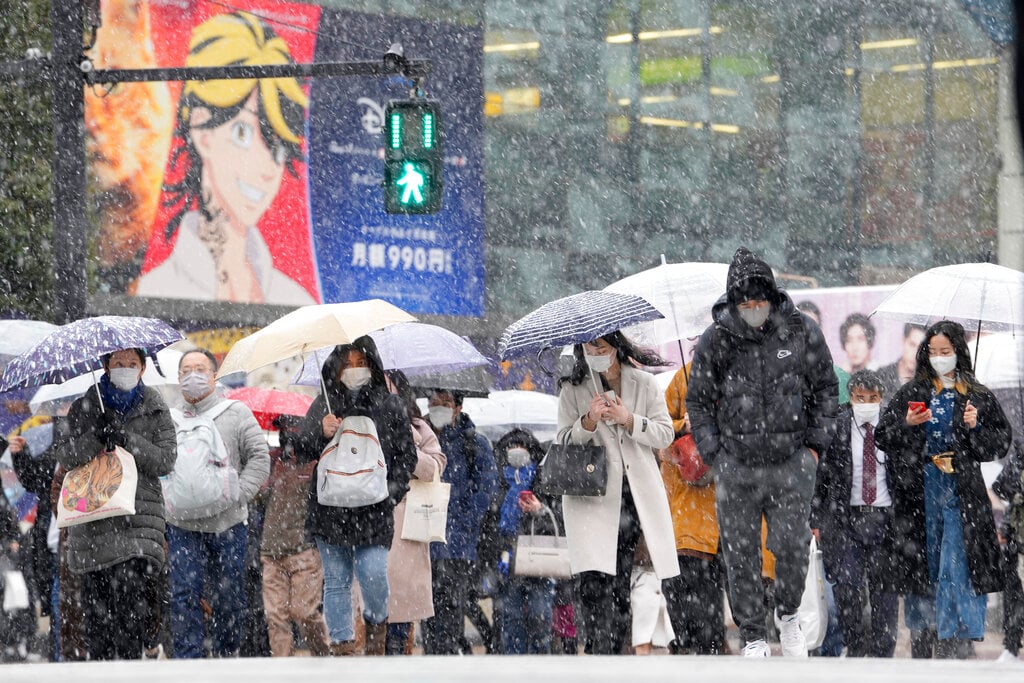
x: 760, y: 394
x: 369, y: 524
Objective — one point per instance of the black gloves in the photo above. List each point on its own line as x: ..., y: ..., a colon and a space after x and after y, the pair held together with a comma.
x: 110, y: 430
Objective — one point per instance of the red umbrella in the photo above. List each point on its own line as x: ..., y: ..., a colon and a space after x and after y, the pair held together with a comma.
x: 267, y: 404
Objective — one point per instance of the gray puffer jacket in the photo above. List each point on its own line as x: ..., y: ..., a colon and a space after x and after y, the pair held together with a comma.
x: 107, y: 542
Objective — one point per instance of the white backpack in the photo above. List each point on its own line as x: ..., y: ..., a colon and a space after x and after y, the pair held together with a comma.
x: 352, y: 471
x: 203, y: 482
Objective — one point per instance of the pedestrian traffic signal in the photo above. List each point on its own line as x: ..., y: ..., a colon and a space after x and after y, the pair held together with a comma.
x: 412, y: 157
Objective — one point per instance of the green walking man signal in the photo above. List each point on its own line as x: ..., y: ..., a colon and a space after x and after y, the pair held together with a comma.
x: 413, y: 161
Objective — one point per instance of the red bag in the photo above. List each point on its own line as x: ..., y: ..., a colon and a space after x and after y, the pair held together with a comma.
x: 683, y: 452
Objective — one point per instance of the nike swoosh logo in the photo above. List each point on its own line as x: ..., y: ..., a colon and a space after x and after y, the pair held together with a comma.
x: 785, y: 354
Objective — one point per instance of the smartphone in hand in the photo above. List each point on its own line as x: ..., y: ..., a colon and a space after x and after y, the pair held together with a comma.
x: 916, y: 406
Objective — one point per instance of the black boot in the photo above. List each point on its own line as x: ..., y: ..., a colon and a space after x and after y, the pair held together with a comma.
x: 922, y: 643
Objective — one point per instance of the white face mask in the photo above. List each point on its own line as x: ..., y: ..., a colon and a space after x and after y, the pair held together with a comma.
x: 195, y: 386
x: 942, y: 364
x: 866, y: 412
x: 440, y: 416
x: 518, y: 457
x: 599, y: 363
x: 354, y: 378
x: 755, y: 317
x: 124, y: 379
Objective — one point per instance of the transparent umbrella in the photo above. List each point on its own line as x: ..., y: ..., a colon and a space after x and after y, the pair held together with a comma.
x: 682, y: 292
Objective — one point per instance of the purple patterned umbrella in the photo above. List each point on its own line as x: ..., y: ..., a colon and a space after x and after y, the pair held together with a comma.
x: 77, y: 348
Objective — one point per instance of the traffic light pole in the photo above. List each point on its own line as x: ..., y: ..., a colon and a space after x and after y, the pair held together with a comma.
x: 69, y: 71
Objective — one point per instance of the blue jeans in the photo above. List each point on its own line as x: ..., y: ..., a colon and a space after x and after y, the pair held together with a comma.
x: 198, y: 561
x: 370, y: 563
x: 526, y: 616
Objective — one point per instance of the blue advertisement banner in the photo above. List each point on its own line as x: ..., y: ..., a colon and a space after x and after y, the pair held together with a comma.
x: 425, y: 264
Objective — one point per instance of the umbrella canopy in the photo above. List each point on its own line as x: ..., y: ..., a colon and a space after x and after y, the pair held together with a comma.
x: 267, y: 404
x: 77, y: 348
x: 309, y: 328
x: 18, y: 336
x: 501, y: 411
x: 414, y: 348
x: 49, y: 398
x: 966, y: 293
x: 682, y: 292
x: 574, y: 319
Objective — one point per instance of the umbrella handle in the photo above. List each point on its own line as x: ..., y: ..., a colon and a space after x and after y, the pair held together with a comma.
x: 99, y: 394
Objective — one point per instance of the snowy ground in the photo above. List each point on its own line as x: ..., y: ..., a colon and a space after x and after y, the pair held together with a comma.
x: 495, y: 669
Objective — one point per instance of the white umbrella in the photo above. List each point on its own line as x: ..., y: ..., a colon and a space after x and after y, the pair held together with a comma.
x: 682, y: 292
x: 967, y: 293
x: 414, y: 348
x: 309, y: 328
x: 18, y: 336
x: 503, y: 410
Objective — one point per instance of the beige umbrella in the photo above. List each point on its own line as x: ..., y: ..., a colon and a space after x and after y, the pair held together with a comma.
x: 309, y: 328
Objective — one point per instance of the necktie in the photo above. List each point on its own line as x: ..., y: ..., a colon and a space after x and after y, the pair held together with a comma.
x: 868, y: 485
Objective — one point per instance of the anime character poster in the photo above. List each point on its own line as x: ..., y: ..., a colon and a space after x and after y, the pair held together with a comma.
x: 202, y: 185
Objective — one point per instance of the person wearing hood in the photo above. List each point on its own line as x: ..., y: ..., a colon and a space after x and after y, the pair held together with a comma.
x: 215, y: 543
x: 474, y: 477
x: 119, y: 559
x: 936, y: 431
x: 762, y: 406
x: 526, y: 602
x: 355, y: 540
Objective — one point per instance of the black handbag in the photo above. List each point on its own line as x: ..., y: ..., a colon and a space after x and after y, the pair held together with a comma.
x: 574, y: 470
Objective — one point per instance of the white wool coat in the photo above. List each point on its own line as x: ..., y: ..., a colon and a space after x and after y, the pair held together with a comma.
x: 592, y: 522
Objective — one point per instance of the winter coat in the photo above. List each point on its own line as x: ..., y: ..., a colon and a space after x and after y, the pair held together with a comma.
x: 369, y: 524
x: 694, y: 520
x: 284, y: 520
x: 106, y: 542
x: 540, y: 522
x: 248, y: 453
x: 410, y: 594
x: 830, y: 507
x: 1009, y: 486
x: 592, y: 522
x: 904, y: 446
x: 761, y: 394
x: 474, y: 477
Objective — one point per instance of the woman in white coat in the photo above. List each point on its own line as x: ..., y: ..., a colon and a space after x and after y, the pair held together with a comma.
x: 631, y: 424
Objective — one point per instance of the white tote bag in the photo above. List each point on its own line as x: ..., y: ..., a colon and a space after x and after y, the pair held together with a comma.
x: 15, y: 591
x: 426, y: 510
x: 542, y: 555
x: 813, y: 612
x: 103, y: 487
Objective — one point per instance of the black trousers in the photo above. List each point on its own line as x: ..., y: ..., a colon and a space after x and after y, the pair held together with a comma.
x: 118, y: 609
x: 1013, y: 599
x: 442, y: 633
x: 695, y: 601
x: 605, y: 615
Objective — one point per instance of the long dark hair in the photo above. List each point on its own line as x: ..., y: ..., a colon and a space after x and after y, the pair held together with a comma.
x: 626, y: 352
x: 954, y: 332
x: 404, y: 391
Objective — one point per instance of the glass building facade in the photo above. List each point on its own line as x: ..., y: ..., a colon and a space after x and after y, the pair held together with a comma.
x: 849, y: 142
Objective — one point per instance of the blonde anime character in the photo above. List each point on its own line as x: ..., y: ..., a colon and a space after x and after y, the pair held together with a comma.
x: 237, y: 139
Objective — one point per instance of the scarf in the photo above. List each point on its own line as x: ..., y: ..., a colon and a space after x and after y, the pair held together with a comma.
x: 121, y: 401
x: 518, y: 480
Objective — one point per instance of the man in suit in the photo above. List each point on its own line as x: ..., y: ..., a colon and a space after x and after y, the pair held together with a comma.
x: 850, y: 515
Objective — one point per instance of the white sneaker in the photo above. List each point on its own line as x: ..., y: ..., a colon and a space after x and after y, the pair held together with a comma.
x: 790, y: 636
x: 757, y: 648
x: 1006, y: 657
